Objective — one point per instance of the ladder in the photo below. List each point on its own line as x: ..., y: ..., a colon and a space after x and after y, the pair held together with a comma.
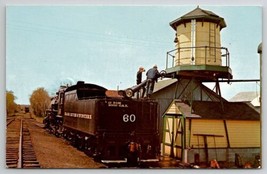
x: 212, y: 40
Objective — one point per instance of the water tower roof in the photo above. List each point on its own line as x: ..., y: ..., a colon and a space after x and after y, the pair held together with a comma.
x: 199, y: 14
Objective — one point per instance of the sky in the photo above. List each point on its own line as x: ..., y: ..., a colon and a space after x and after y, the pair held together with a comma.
x: 47, y: 46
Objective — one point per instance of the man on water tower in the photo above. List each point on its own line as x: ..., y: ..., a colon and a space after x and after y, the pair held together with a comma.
x: 152, y: 77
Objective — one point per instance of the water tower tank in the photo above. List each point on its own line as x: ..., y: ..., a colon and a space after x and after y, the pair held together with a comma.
x: 198, y: 43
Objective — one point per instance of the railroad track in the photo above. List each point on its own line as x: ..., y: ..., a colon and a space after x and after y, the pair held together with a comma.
x: 12, y: 143
x: 9, y: 121
x: 19, y: 149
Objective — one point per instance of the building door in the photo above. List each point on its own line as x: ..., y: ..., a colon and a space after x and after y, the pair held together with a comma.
x: 173, y: 136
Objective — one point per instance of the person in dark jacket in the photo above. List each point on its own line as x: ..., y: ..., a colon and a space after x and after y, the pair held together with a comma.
x: 139, y: 75
x: 139, y: 80
x: 152, y: 77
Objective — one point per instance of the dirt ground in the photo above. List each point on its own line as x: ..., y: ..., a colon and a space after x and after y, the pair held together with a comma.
x: 53, y: 152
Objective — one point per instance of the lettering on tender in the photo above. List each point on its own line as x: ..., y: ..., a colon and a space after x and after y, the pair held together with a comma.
x: 78, y: 115
x: 117, y: 104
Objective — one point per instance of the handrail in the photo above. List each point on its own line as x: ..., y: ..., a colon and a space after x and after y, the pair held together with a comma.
x: 170, y: 56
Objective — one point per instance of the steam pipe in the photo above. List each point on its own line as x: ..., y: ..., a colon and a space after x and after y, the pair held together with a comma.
x: 129, y: 92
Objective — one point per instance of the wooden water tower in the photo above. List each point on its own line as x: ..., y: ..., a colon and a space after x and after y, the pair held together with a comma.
x: 198, y: 57
x: 198, y: 52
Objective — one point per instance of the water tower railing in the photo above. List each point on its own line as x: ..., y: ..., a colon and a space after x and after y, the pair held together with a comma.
x: 172, y: 60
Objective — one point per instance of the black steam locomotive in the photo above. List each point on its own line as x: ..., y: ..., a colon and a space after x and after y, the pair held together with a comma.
x: 105, y: 125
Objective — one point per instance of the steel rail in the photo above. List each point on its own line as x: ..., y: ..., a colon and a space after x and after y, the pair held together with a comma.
x: 20, y: 146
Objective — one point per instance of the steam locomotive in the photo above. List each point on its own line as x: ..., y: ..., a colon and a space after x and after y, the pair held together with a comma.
x: 105, y: 124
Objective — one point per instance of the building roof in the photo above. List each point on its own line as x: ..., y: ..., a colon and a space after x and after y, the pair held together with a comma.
x: 199, y: 14
x: 163, y: 84
x: 213, y: 110
x: 232, y: 110
x: 178, y: 108
x: 209, y: 109
x: 244, y: 96
x: 250, y: 97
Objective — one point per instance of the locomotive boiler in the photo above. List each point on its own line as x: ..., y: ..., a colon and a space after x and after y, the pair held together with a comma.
x: 111, y: 128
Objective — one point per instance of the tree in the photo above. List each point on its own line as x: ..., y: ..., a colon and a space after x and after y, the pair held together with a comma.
x: 39, y: 101
x: 10, y: 102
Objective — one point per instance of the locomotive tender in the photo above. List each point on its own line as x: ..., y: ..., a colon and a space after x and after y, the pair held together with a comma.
x: 111, y: 129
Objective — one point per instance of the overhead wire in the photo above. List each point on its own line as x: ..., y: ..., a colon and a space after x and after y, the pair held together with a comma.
x: 79, y: 34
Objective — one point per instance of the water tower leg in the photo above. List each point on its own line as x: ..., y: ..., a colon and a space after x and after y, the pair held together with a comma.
x: 218, y: 91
